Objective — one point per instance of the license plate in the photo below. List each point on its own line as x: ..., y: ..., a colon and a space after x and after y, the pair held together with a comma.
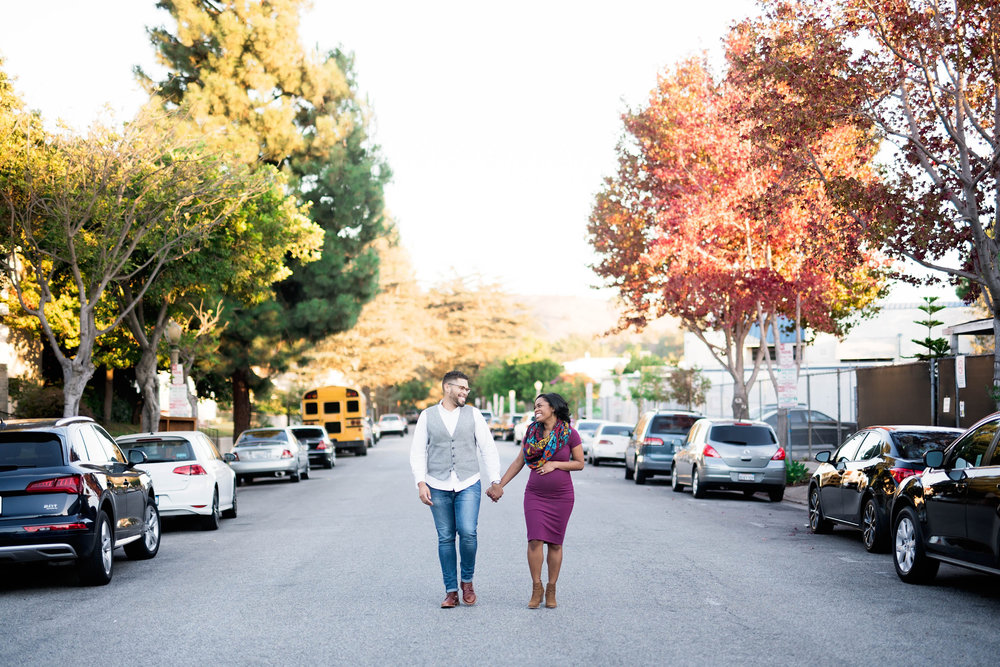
x: 745, y: 477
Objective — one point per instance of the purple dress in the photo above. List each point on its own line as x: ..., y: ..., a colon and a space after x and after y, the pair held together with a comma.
x: 548, y: 499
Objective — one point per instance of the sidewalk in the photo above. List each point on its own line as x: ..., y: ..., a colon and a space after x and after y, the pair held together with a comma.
x: 799, y: 494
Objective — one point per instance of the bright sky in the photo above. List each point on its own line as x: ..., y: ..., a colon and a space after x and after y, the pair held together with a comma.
x: 498, y: 120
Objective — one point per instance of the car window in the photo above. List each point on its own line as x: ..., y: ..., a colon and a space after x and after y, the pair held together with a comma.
x: 816, y: 416
x: 615, y: 430
x: 679, y: 424
x: 30, y: 450
x: 850, y: 447
x: 111, y: 449
x: 871, y: 446
x: 162, y: 450
x: 970, y: 450
x: 587, y: 428
x: 268, y: 437
x: 913, y: 445
x: 95, y: 450
x: 741, y: 434
x: 307, y: 432
x: 797, y: 416
x: 212, y: 449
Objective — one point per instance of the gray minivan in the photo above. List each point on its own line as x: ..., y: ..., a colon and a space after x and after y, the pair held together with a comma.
x: 655, y: 438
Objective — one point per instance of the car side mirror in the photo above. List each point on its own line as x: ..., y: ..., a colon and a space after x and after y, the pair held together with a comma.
x: 933, y: 458
x: 136, y: 457
x: 229, y: 457
x: 841, y: 465
x: 824, y: 456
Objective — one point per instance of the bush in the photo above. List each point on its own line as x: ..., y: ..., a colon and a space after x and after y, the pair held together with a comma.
x: 40, y: 402
x: 796, y: 473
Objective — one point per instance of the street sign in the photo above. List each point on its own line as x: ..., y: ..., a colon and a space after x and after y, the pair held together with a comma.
x: 788, y: 383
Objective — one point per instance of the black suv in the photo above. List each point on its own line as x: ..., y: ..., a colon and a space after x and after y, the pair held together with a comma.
x: 655, y: 438
x: 68, y: 493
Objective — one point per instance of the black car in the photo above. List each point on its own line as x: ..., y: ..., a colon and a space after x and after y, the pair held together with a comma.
x: 68, y: 493
x: 951, y: 512
x: 802, y: 422
x: 655, y: 438
x: 321, y: 449
x: 855, y: 485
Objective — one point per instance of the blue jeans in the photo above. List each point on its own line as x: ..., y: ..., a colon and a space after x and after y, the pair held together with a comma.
x: 456, y: 512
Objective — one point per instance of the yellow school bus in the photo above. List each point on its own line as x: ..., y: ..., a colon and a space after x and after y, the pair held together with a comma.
x: 342, y: 411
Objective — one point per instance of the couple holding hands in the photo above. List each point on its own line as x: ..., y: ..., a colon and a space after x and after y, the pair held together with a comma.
x: 443, y: 458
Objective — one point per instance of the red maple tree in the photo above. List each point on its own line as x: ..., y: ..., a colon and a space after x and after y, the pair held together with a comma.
x: 701, y: 225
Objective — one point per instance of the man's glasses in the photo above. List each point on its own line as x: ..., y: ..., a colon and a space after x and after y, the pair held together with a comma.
x: 462, y: 389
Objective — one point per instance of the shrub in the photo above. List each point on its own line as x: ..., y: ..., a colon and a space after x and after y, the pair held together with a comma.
x: 796, y: 473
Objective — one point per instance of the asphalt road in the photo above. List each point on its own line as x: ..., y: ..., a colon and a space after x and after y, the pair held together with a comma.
x: 342, y: 568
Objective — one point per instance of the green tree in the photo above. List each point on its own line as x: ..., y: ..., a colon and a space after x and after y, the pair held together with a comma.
x: 519, y: 374
x: 688, y: 386
x: 935, y: 347
x: 240, y: 70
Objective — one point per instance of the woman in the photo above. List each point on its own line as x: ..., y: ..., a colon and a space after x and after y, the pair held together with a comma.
x: 551, y: 449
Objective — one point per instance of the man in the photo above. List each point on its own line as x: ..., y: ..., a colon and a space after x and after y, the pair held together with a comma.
x: 443, y: 458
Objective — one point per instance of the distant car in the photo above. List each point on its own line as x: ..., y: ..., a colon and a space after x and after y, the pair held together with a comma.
x: 393, y: 423
x: 270, y: 452
x: 950, y: 511
x: 487, y: 415
x: 609, y: 442
x: 190, y: 476
x: 372, y: 431
x: 68, y: 493
x: 801, y: 421
x: 322, y: 451
x: 412, y: 416
x: 516, y: 419
x: 730, y: 454
x: 521, y: 427
x: 655, y: 438
x: 586, y: 429
x: 854, y: 486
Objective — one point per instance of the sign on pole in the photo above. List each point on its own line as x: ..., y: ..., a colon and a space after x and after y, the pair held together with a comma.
x: 788, y: 389
x: 960, y: 371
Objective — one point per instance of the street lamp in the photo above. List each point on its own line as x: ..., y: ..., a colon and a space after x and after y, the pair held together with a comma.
x: 173, y: 332
x: 538, y: 387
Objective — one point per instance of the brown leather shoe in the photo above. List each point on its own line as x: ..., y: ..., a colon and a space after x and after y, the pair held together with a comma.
x: 550, y: 596
x: 468, y: 595
x: 536, y: 595
x: 450, y: 600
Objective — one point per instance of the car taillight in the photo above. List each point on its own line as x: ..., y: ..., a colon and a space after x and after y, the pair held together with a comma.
x: 286, y: 454
x: 652, y: 441
x: 710, y: 451
x: 605, y: 442
x: 321, y: 445
x: 779, y: 455
x: 56, y: 526
x: 899, y: 474
x: 236, y: 457
x: 193, y: 469
x: 72, y: 484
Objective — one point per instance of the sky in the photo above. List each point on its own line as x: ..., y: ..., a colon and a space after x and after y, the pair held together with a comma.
x: 499, y: 120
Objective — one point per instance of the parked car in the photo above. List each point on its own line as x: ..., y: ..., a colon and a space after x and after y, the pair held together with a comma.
x: 730, y: 454
x: 375, y: 429
x: 412, y: 415
x: 951, y: 512
x: 516, y: 419
x: 68, y: 493
x: 270, y: 452
x: 801, y: 421
x: 322, y: 451
x: 655, y: 438
x: 190, y: 476
x: 609, y: 442
x: 487, y: 415
x: 586, y: 429
x: 521, y: 427
x: 854, y: 486
x: 393, y: 423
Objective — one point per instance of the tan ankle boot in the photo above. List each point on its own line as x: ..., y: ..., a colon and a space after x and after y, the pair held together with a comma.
x: 536, y: 595
x: 550, y: 595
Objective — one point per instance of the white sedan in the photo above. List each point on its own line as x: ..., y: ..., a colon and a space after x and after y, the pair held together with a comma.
x: 189, y: 475
x: 586, y: 428
x: 609, y: 442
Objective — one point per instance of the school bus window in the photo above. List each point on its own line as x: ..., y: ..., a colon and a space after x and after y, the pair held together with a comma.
x: 333, y: 407
x: 333, y: 427
x: 312, y: 408
x: 353, y: 406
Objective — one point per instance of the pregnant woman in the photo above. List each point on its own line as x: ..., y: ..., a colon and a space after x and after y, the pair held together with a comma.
x: 551, y: 450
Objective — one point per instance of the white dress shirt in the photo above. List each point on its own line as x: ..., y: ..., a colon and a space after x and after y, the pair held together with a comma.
x: 484, y: 443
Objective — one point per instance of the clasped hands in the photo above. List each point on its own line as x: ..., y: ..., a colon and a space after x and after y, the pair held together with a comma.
x: 495, y: 492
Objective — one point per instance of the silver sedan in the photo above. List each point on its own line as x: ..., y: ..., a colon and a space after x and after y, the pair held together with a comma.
x: 730, y: 454
x: 270, y: 452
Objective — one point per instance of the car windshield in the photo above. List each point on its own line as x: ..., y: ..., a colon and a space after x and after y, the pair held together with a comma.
x: 275, y: 437
x: 307, y: 432
x: 29, y: 450
x: 614, y: 429
x: 679, y: 424
x: 741, y: 434
x: 162, y: 451
x: 587, y: 427
x: 914, y: 444
x: 388, y: 418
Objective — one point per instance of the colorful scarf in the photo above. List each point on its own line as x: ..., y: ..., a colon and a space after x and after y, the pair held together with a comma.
x: 538, y: 449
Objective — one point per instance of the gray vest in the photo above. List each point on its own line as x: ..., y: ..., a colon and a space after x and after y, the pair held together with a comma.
x: 446, y: 451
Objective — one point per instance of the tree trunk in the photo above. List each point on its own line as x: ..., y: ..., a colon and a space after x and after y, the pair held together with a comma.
x: 996, y: 359
x: 191, y: 396
x: 741, y: 403
x: 241, y: 402
x: 149, y: 387
x: 109, y: 392
x: 76, y: 375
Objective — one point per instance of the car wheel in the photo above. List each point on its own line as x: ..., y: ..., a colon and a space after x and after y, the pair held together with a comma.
x: 232, y: 511
x: 909, y: 557
x: 776, y: 495
x: 818, y: 523
x: 595, y: 461
x: 873, y: 533
x: 675, y: 482
x: 212, y: 521
x: 697, y: 490
x: 305, y: 473
x: 640, y: 476
x: 329, y: 463
x: 95, y: 569
x: 295, y: 476
x: 149, y: 544
x: 629, y: 474
x: 361, y: 452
